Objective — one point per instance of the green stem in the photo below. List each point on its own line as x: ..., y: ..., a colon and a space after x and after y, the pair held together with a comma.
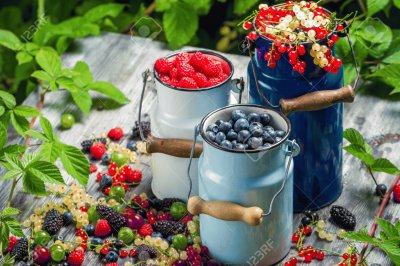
x: 40, y: 10
x: 362, y: 6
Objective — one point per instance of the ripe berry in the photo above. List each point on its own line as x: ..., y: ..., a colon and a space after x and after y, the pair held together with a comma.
x: 267, y: 56
x: 145, y: 230
x: 301, y: 50
x: 282, y: 48
x: 307, y: 230
x: 41, y: 255
x: 305, y: 221
x: 116, y: 133
x: 163, y: 66
x: 272, y: 64
x: 92, y: 168
x: 76, y: 258
x: 295, y: 238
x: 97, y: 150
x: 185, y: 70
x: 307, y: 258
x: 396, y: 193
x: 340, y: 27
x: 334, y: 37
x: 252, y: 35
x: 133, y: 176
x: 380, y: 190
x: 103, y: 229
x: 123, y: 253
x: 247, y: 25
x: 187, y: 83
x: 213, y: 69
x: 201, y: 80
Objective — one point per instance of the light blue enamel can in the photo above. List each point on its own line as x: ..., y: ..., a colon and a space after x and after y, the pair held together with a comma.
x: 235, y: 185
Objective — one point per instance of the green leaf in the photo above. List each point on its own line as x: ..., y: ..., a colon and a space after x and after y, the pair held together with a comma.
x: 362, y: 236
x: 62, y: 44
x: 83, y: 100
x: 11, y: 174
x: 76, y: 27
x: 50, y: 151
x: 173, y: 19
x: 392, y: 59
x: 374, y: 6
x: 34, y: 185
x: 20, y: 123
x: 35, y: 134
x: 163, y: 5
x: 13, y: 161
x: 9, y: 211
x: 241, y: 7
x: 85, y: 76
x: 384, y: 165
x: 42, y: 75
x: 396, y: 3
x: 75, y: 163
x: 8, y: 260
x: 47, y: 128
x: 392, y: 250
x: 107, y: 10
x: 14, y: 227
x: 12, y: 150
x: 389, y: 74
x: 202, y: 7
x: 2, y: 110
x: 3, y: 136
x: 49, y: 61
x: 360, y: 153
x: 4, y: 236
x: 26, y: 111
x: 45, y: 171
x: 353, y: 136
x: 108, y: 89
x: 23, y: 57
x: 388, y: 228
x: 10, y: 40
x: 8, y: 99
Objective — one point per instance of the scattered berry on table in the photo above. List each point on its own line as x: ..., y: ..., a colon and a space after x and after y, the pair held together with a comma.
x: 396, y: 193
x: 380, y: 190
x: 20, y: 250
x: 76, y: 258
x: 53, y: 221
x: 97, y: 150
x: 146, y: 230
x: 41, y: 255
x: 145, y: 248
x: 167, y: 228
x: 146, y: 126
x: 67, y: 121
x: 115, y: 133
x: 115, y: 220
x: 178, y: 210
x: 86, y: 144
x: 11, y: 243
x: 343, y: 217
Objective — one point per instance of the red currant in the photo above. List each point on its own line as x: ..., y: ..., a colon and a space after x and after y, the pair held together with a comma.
x: 301, y: 50
x: 320, y: 255
x: 337, y: 62
x: 282, y: 48
x: 306, y: 229
x: 247, y: 25
x: 263, y: 11
x: 331, y: 43
x: 334, y: 37
x: 267, y: 56
x: 319, y: 9
x: 353, y: 261
x: 84, y: 209
x: 276, y: 56
x: 107, y: 190
x: 292, y: 54
x: 340, y: 27
x: 112, y: 171
x: 295, y: 238
x: 308, y: 258
x: 99, y: 176
x: 104, y: 251
x: 252, y: 35
x: 132, y: 252
x: 293, y: 261
x: 123, y: 253
x: 345, y: 256
x: 272, y: 64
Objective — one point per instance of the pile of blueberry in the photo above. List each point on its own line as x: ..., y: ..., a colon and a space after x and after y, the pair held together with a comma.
x: 245, y: 131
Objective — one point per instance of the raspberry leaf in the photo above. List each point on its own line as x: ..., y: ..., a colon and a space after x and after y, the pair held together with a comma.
x: 10, y: 40
x: 75, y: 163
x: 109, y: 90
x: 49, y: 61
x: 8, y: 99
x: 26, y: 111
x: 388, y: 228
x: 374, y: 6
x: 14, y: 226
x: 384, y: 165
x: 107, y: 10
x: 45, y: 171
x: 9, y: 211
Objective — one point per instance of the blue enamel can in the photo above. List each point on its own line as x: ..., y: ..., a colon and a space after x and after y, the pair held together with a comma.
x: 318, y: 169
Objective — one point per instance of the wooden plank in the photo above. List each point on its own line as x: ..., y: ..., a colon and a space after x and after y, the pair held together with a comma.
x: 121, y: 60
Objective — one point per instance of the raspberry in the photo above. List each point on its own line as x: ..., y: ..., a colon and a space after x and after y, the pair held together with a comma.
x: 396, y: 193
x: 201, y: 80
x: 115, y: 220
x: 197, y: 60
x: 226, y: 68
x: 187, y: 83
x: 343, y: 217
x: 20, y: 250
x: 163, y: 66
x: 174, y: 82
x: 185, y: 70
x: 212, y: 69
x: 53, y: 221
x: 97, y: 150
x: 182, y: 58
x: 165, y: 79
x: 173, y: 74
x: 116, y: 133
x: 133, y: 176
x: 102, y: 229
x: 145, y: 230
x: 86, y: 144
x: 76, y: 258
x: 222, y: 77
x: 213, y: 82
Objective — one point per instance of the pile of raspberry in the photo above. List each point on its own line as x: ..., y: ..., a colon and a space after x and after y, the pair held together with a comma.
x: 192, y: 70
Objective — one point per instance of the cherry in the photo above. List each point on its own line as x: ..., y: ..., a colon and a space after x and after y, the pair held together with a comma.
x: 252, y: 35
x: 282, y: 48
x: 301, y: 50
x: 247, y: 25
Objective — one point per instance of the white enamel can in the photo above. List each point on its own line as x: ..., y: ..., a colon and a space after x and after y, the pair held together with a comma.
x: 174, y: 114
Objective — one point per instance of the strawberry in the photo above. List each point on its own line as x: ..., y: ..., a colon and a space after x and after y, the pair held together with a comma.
x: 396, y: 193
x: 97, y: 150
x: 76, y: 258
x: 115, y: 133
x: 145, y: 230
x: 163, y: 66
x: 165, y: 79
x: 197, y: 60
x: 201, y: 80
x: 185, y: 70
x: 187, y: 83
x: 133, y: 176
x: 92, y: 168
x: 212, y: 69
x: 173, y: 74
x: 102, y: 229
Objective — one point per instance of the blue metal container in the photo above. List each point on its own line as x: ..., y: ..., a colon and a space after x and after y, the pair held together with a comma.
x: 318, y: 169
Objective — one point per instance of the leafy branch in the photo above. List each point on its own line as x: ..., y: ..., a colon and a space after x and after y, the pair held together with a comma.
x: 8, y: 224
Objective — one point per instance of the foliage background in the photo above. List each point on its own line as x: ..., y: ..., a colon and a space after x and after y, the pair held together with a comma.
x: 204, y: 23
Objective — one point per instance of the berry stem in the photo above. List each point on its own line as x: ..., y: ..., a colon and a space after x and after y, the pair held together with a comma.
x: 373, y: 178
x: 378, y: 215
x: 328, y: 251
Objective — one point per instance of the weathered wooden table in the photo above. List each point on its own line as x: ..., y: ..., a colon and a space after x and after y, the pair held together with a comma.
x: 121, y: 60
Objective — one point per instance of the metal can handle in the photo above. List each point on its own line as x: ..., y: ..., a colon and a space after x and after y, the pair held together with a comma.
x: 146, y: 74
x: 238, y: 88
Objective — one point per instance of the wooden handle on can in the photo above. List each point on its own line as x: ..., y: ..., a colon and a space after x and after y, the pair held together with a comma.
x: 174, y: 147
x: 224, y: 210
x: 317, y: 100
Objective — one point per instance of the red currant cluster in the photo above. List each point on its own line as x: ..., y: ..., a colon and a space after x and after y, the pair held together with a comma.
x: 292, y: 25
x: 348, y: 259
x: 308, y: 254
x: 301, y: 233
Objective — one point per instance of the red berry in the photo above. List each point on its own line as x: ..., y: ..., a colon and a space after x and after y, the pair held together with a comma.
x: 301, y: 49
x: 252, y: 35
x: 132, y: 252
x: 226, y: 68
x: 319, y: 9
x: 293, y: 54
x: 272, y: 64
x: 200, y: 79
x: 396, y: 193
x: 337, y: 62
x: 340, y: 27
x: 152, y: 220
x: 112, y: 264
x: 134, y: 176
x: 99, y: 176
x: 84, y: 209
x: 173, y: 74
x: 185, y: 70
x: 187, y: 83
x: 83, y: 246
x: 11, y: 243
x: 145, y: 230
x: 293, y: 261
x: 123, y: 253
x: 288, y: 263
x: 112, y: 170
x: 97, y: 150
x: 267, y: 56
x: 144, y: 204
x: 342, y: 264
x: 163, y: 66
x: 247, y: 25
x: 308, y: 258
x: 41, y: 255
x: 276, y: 56
x: 320, y: 255
x: 107, y: 190
x: 334, y: 37
x: 92, y: 168
x: 104, y: 251
x: 76, y: 258
x: 102, y: 229
x: 295, y: 238
x: 306, y: 229
x: 282, y: 48
x: 345, y: 256
x: 353, y: 261
x: 213, y: 69
x: 115, y: 133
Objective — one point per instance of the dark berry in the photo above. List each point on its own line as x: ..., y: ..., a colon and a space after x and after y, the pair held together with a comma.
x: 240, y: 147
x: 119, y: 244
x: 220, y: 137
x: 255, y: 143
x: 253, y: 117
x: 280, y: 133
x: 243, y: 136
x: 265, y: 119
x: 146, y: 127
x: 68, y: 218
x: 232, y: 135
x: 210, y: 135
x: 167, y: 228
x: 86, y: 144
x: 256, y: 129
x: 145, y: 248
x: 343, y: 217
x: 241, y: 124
x: 115, y: 220
x: 89, y: 229
x: 165, y: 203
x: 213, y: 128
x: 20, y: 250
x: 111, y: 256
x: 105, y: 181
x: 226, y: 144
x: 237, y: 114
x: 53, y: 221
x: 380, y: 189
x: 131, y: 145
x: 225, y: 127
x: 267, y: 138
x: 306, y: 221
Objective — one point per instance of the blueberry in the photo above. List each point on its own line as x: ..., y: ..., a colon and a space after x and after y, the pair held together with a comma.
x: 170, y: 238
x: 68, y: 218
x: 96, y: 241
x: 225, y: 127
x: 241, y: 124
x: 265, y: 119
x: 232, y: 135
x: 267, y: 138
x: 105, y: 181
x: 239, y: 146
x: 255, y: 143
x: 210, y: 135
x: 220, y: 137
x: 243, y: 136
x: 89, y: 229
x: 256, y: 129
x: 267, y: 145
x: 280, y: 133
x: 213, y: 128
x: 253, y: 117
x: 105, y: 160
x: 226, y: 144
x: 111, y: 256
x: 234, y: 142
x: 131, y: 145
x: 277, y: 139
x: 219, y: 122
x: 237, y: 114
x: 119, y: 244
x: 269, y: 128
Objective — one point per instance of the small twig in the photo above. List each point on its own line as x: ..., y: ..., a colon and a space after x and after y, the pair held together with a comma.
x: 373, y: 178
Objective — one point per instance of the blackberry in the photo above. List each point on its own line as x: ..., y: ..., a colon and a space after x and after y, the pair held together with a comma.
x: 159, y: 204
x: 343, y: 217
x: 115, y: 220
x: 167, y: 228
x: 86, y: 144
x: 145, y: 248
x: 146, y: 126
x: 20, y: 250
x: 53, y: 221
